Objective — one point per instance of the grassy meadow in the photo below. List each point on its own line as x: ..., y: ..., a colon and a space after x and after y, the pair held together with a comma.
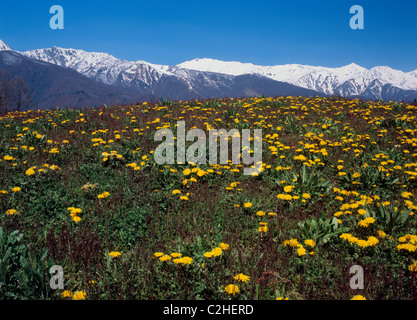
x: 80, y: 189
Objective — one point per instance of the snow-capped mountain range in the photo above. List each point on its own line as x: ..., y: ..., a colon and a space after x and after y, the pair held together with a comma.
x: 205, y: 78
x: 327, y: 80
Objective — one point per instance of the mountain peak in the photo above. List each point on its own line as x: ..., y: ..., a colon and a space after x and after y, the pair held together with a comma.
x: 353, y: 67
x: 4, y: 46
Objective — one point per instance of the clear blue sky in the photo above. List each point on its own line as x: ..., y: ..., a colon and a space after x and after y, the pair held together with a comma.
x: 262, y: 31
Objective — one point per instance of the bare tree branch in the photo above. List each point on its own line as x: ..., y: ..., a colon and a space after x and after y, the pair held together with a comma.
x: 14, y: 93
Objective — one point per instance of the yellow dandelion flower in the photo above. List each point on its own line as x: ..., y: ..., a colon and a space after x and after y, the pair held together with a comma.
x: 177, y: 261
x: 79, y: 295
x: 288, y: 189
x: 263, y: 227
x: 224, y: 246
x: 103, y: 195
x: 66, y: 294
x: 362, y: 243
x: 366, y: 222
x: 345, y: 236
x: 372, y: 241
x: 186, y: 260
x: 208, y: 254
x: 407, y: 246
x: 165, y: 257
x: 11, y: 212
x: 284, y: 196
x: 30, y: 171
x: 362, y: 212
x: 115, y: 254
x: 301, y: 251
x: 381, y: 234
x: 310, y: 243
x: 217, y: 251
x: 241, y: 277
x: 232, y: 289
x: 413, y: 267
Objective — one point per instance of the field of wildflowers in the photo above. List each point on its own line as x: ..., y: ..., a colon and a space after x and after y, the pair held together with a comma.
x: 80, y: 189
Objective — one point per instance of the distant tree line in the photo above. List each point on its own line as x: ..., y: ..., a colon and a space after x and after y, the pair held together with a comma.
x: 14, y: 93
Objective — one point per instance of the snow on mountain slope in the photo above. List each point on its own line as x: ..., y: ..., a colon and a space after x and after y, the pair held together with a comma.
x: 99, y: 66
x: 212, y: 65
x: 413, y: 74
x: 4, y: 46
x: 394, y: 77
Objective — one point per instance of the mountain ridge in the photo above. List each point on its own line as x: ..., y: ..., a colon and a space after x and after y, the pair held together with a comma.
x: 312, y: 77
x: 325, y: 80
x: 54, y: 86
